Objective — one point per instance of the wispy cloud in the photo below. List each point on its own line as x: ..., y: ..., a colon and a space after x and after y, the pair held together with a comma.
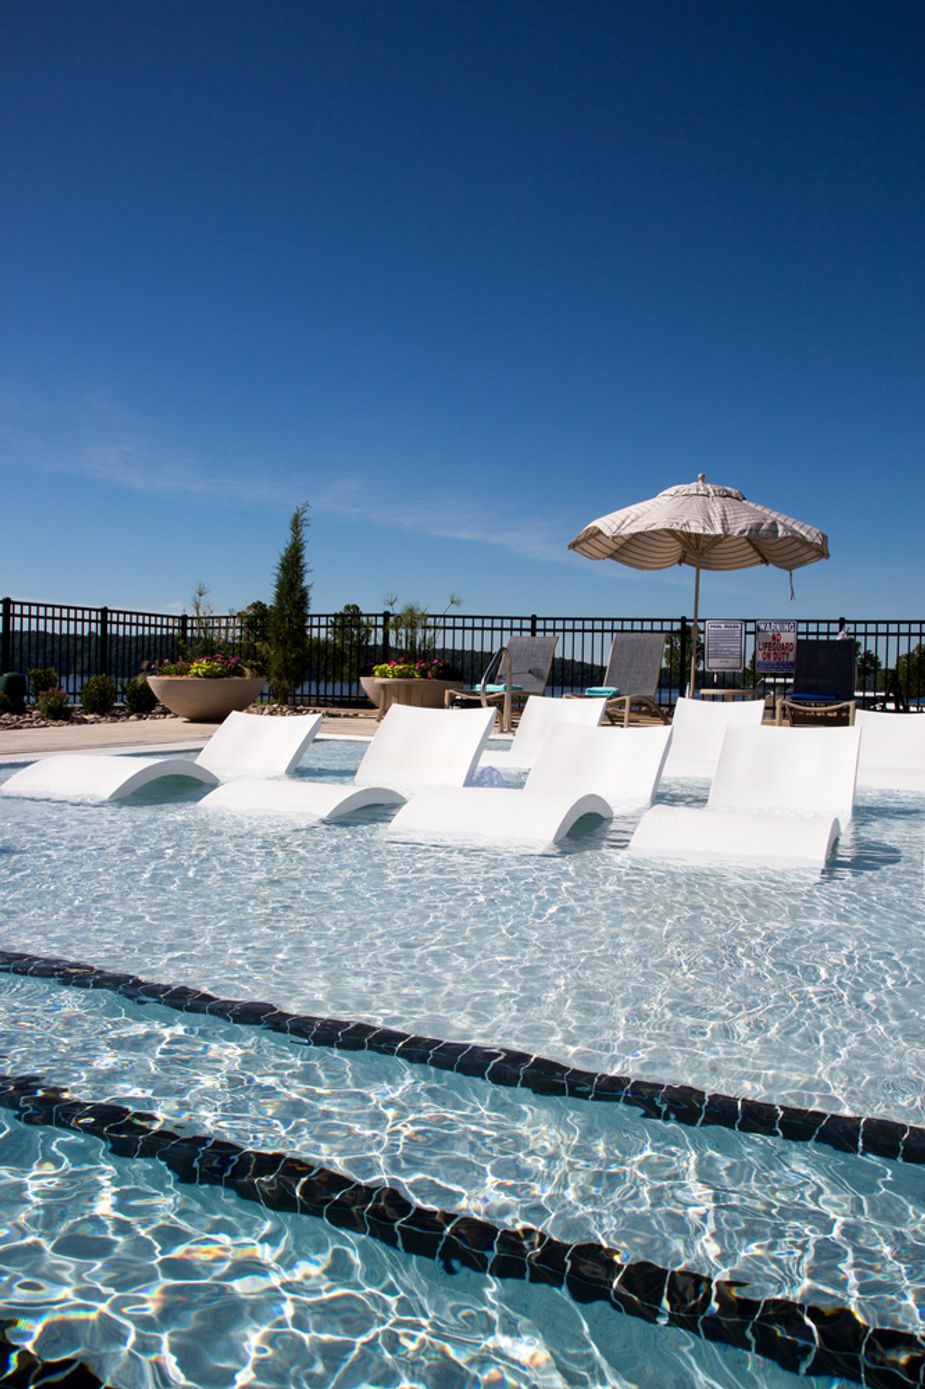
x: 96, y: 442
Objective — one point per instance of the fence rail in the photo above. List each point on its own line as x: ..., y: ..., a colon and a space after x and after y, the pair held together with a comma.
x: 81, y: 641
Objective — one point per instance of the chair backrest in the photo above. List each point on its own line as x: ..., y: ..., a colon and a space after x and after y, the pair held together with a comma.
x: 258, y: 744
x: 892, y: 750
x: 798, y: 770
x: 621, y: 766
x: 425, y: 747
x: 541, y: 716
x: 698, y: 728
x: 825, y: 669
x: 531, y: 662
x: 635, y: 662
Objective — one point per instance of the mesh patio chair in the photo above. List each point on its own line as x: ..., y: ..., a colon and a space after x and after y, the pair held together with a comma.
x: 520, y: 669
x: 823, y: 684
x: 631, y: 679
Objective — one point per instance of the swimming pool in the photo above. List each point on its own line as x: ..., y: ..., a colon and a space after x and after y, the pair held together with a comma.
x: 803, y: 991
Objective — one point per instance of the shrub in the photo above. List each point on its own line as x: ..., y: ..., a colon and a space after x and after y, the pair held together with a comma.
x: 139, y: 696
x: 42, y: 678
x: 53, y: 704
x: 98, y: 694
x: 6, y: 704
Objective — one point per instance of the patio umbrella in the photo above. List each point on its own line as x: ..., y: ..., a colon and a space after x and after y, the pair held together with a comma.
x: 703, y: 525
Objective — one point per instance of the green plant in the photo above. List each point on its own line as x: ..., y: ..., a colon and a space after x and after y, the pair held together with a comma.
x: 412, y: 630
x: 289, y: 649
x: 253, y: 636
x: 42, y: 678
x: 214, y: 667
x: 53, y: 705
x: 98, y: 694
x: 139, y: 696
x: 6, y: 704
x: 413, y: 670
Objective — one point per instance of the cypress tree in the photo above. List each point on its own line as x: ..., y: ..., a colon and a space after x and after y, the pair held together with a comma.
x: 289, y: 615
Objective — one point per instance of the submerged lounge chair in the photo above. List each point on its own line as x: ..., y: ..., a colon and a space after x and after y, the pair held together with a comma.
x: 412, y: 747
x: 539, y: 719
x: 892, y: 751
x: 779, y: 795
x: 520, y: 669
x: 631, y: 679
x: 245, y: 745
x: 578, y: 771
x: 698, y: 729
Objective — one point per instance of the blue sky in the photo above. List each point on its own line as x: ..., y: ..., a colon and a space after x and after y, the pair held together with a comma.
x: 464, y: 275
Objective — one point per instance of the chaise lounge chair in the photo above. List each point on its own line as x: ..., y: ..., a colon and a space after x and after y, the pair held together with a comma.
x: 520, y: 669
x: 245, y: 745
x: 631, y: 679
x: 412, y: 748
x: 892, y: 751
x: 539, y: 719
x: 698, y: 729
x: 823, y: 684
x: 578, y: 771
x: 779, y: 795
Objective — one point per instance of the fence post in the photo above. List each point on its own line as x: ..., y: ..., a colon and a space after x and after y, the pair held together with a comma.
x: 533, y: 624
x: 385, y: 636
x: 6, y: 637
x: 682, y: 656
x: 184, y: 632
x: 102, y: 657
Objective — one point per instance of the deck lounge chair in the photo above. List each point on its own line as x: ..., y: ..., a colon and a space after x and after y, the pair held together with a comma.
x: 244, y: 745
x: 823, y: 684
x: 892, y: 750
x: 539, y: 719
x: 412, y: 748
x: 779, y: 795
x: 698, y: 729
x: 631, y: 678
x: 520, y: 669
x: 578, y: 771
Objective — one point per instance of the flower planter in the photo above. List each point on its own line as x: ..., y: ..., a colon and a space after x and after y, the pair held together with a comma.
x: 205, y: 701
x: 423, y: 694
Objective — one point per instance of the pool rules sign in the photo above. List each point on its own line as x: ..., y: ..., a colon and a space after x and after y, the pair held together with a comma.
x: 724, y: 646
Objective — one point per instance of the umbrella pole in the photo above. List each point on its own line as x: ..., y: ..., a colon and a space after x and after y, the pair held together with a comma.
x: 693, y: 680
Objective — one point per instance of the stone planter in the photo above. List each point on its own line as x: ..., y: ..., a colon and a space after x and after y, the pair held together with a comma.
x: 205, y: 701
x: 423, y: 694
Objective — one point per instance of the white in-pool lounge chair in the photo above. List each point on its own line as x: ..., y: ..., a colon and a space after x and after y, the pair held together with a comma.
x: 698, y: 729
x: 578, y: 771
x: 892, y: 750
x: 539, y: 718
x: 411, y: 748
x: 779, y: 795
x: 245, y: 745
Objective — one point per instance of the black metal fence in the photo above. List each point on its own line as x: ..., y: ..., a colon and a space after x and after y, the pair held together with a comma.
x: 81, y: 641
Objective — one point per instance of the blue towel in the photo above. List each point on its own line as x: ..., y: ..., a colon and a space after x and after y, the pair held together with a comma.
x: 499, y: 689
x: 598, y: 691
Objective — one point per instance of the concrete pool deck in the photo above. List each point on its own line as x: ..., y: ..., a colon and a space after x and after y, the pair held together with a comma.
x: 163, y: 735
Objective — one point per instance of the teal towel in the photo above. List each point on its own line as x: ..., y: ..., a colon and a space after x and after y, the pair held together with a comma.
x: 499, y: 689
x: 598, y: 691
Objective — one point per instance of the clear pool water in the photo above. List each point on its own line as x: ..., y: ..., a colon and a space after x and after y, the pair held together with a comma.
x: 803, y: 990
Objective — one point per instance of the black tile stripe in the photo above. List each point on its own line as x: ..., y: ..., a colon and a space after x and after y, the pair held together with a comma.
x: 20, y: 1368
x: 681, y: 1104
x: 801, y: 1337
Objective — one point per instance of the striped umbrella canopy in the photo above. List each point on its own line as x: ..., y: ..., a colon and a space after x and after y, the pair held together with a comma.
x: 704, y: 525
